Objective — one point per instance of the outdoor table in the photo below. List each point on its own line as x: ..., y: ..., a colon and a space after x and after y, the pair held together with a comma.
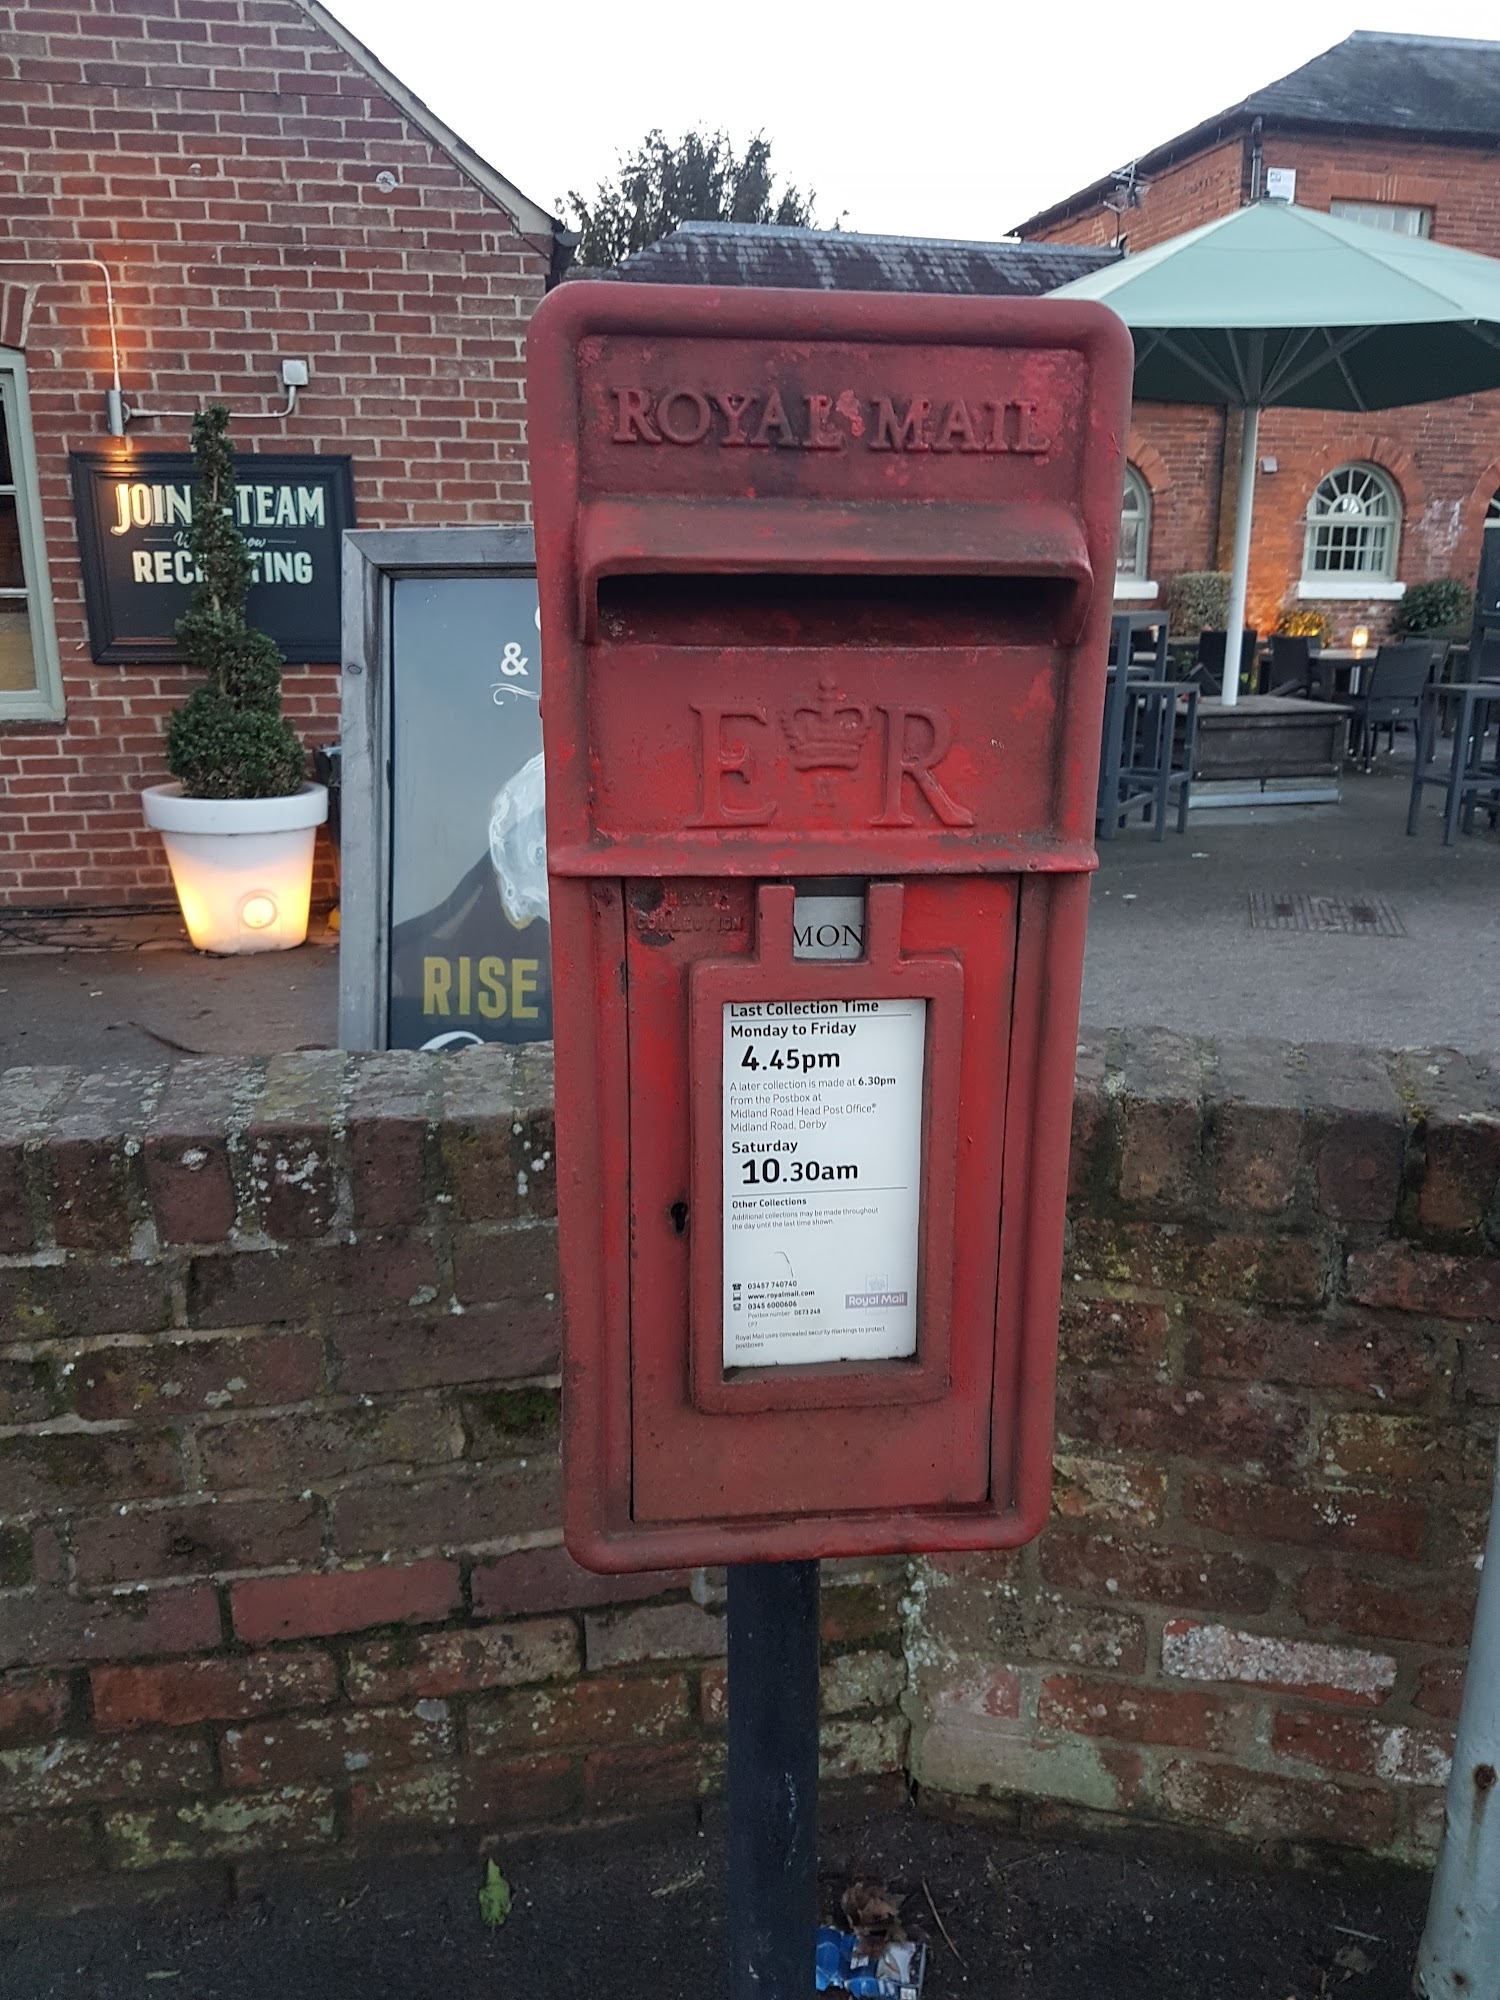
x: 1348, y: 663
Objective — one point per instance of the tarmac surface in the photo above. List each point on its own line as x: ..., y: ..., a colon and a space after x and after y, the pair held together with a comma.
x: 636, y: 1912
x: 1393, y: 942
x: 1400, y: 946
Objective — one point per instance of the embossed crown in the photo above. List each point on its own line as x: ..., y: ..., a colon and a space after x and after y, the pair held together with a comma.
x: 826, y: 734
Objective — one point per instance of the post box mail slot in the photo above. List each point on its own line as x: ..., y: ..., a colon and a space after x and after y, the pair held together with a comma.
x: 825, y: 589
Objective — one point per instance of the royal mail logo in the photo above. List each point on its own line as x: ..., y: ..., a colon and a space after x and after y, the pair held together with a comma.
x: 763, y: 421
x: 866, y: 1299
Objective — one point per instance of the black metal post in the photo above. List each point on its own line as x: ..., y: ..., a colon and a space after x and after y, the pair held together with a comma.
x: 773, y: 1779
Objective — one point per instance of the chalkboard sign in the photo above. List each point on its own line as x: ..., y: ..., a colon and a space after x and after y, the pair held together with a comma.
x: 444, y: 939
x: 134, y: 511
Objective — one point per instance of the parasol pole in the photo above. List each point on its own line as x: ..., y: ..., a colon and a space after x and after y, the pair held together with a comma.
x: 1239, y: 573
x: 1460, y: 1953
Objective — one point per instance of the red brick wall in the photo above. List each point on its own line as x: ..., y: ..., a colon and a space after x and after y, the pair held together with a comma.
x: 221, y: 157
x: 1179, y: 197
x: 280, y: 1565
x: 1276, y: 1414
x: 1179, y: 452
x: 1444, y: 458
x: 279, y: 1555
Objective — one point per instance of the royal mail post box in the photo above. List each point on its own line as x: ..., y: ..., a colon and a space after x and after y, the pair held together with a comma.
x: 825, y: 588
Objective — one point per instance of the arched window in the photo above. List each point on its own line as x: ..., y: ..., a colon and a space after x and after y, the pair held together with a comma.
x: 1492, y: 512
x: 1353, y: 528
x: 1135, y: 528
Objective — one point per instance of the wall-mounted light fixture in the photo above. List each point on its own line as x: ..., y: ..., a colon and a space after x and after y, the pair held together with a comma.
x: 118, y: 413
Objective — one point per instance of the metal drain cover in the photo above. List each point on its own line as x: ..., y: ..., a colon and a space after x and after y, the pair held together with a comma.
x: 1350, y: 916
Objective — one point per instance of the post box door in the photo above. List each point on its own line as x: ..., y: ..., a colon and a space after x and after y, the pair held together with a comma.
x: 794, y: 1439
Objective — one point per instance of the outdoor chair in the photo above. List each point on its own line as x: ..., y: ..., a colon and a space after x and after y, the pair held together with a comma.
x: 1149, y: 640
x: 1391, y: 695
x: 1468, y: 782
x: 1294, y: 668
x: 1111, y: 748
x: 1158, y: 723
x: 1138, y: 641
x: 1211, y: 659
x: 1119, y: 639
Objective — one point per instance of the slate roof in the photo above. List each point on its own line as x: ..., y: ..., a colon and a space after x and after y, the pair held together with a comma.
x: 1430, y: 85
x: 1427, y: 84
x: 834, y: 260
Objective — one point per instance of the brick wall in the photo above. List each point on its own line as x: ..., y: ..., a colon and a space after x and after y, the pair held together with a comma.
x: 279, y: 1558
x: 221, y: 157
x: 1443, y: 457
x: 1276, y: 1412
x: 280, y: 1566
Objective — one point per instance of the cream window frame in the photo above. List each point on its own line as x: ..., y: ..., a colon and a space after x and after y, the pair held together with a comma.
x: 1133, y: 583
x: 44, y: 702
x: 1393, y: 218
x: 1379, y: 528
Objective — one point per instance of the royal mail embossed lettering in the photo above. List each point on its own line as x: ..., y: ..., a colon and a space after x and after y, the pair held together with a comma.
x: 737, y: 757
x: 826, y: 420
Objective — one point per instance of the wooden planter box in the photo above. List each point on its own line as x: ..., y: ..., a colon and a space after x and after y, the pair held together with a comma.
x: 1270, y: 736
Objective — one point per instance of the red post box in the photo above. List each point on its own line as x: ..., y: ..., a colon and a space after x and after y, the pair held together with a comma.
x: 825, y: 588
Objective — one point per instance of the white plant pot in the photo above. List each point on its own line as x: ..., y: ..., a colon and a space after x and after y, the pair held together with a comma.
x: 242, y: 868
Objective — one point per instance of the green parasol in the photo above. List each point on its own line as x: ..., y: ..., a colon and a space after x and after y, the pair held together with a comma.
x: 1276, y: 306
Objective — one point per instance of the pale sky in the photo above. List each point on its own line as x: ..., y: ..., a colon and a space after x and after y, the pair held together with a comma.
x: 932, y: 118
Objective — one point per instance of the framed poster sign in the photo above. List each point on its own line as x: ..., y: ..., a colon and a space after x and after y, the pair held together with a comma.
x: 444, y: 938
x: 134, y: 510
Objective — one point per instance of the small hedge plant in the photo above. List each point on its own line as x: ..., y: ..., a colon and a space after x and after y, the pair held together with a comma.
x: 1444, y: 605
x: 1198, y: 601
x: 229, y: 740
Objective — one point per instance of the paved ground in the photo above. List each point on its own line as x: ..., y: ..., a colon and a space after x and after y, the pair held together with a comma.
x: 636, y: 1913
x: 1171, y: 942
x: 132, y: 989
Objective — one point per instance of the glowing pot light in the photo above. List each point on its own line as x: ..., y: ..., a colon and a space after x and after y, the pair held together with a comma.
x: 1361, y: 638
x: 242, y: 868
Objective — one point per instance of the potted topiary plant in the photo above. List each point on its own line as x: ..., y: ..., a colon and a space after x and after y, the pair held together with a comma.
x: 240, y: 820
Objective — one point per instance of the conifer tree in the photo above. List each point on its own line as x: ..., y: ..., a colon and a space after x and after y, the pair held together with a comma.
x: 229, y: 740
x: 698, y: 178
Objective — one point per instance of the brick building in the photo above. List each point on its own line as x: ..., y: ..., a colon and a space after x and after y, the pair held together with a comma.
x: 255, y: 187
x: 1398, y: 131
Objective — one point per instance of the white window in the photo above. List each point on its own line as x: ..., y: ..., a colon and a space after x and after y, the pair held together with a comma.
x: 1131, y: 563
x: 1492, y: 512
x: 1135, y: 526
x: 1353, y: 536
x: 30, y: 681
x: 1391, y: 216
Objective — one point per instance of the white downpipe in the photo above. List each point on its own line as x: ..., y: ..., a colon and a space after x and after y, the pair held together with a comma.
x: 1239, y: 573
x: 1459, y: 1957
